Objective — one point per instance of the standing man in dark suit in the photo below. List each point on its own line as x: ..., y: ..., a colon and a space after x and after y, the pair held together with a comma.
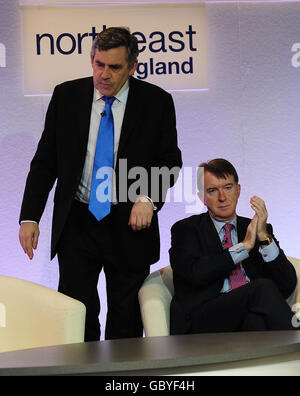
x: 141, y: 134
x: 230, y: 273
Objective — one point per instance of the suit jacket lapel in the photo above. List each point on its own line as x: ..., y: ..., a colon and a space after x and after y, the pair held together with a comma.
x: 131, y: 116
x: 85, y: 105
x: 210, y: 235
x: 241, y: 228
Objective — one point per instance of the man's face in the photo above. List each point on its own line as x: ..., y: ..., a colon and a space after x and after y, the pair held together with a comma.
x: 111, y: 70
x: 221, y: 196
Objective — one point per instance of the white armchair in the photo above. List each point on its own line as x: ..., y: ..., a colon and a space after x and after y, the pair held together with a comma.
x: 32, y: 316
x: 156, y: 294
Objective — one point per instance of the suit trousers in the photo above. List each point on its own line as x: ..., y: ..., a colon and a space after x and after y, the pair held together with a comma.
x: 85, y: 247
x: 256, y: 306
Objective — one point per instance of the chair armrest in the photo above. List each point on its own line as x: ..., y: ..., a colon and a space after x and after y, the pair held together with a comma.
x: 33, y: 316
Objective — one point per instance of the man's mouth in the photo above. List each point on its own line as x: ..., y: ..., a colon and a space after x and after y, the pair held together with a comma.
x: 104, y: 84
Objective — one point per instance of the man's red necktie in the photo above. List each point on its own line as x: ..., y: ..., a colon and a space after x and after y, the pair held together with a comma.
x: 237, y: 277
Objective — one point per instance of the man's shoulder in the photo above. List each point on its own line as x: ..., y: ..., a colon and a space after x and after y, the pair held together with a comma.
x: 146, y: 86
x: 189, y: 222
x: 77, y: 84
x: 243, y: 219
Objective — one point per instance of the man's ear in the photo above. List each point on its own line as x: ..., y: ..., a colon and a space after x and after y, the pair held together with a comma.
x: 201, y: 196
x: 133, y: 68
x: 238, y: 190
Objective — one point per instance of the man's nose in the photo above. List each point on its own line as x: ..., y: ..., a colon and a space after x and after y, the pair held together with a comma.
x: 106, y: 72
x: 221, y: 195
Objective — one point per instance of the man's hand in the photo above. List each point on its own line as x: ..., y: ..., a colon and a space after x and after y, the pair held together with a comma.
x: 141, y: 214
x: 29, y: 236
x: 258, y: 205
x: 251, y: 233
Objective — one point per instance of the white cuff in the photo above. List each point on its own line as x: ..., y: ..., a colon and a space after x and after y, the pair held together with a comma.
x: 149, y: 199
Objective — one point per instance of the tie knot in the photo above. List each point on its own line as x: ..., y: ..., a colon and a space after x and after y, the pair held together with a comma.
x: 109, y: 100
x: 228, y: 227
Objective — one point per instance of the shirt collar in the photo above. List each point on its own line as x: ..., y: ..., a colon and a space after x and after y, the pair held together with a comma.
x: 121, y: 96
x: 219, y: 224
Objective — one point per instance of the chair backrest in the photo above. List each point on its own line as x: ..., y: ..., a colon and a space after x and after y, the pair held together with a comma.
x: 32, y: 316
x: 295, y: 297
x: 155, y: 297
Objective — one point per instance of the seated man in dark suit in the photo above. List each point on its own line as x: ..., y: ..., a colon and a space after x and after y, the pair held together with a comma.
x: 230, y: 273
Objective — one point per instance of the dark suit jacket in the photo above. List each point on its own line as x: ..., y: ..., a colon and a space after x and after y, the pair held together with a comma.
x: 200, y: 266
x: 148, y: 139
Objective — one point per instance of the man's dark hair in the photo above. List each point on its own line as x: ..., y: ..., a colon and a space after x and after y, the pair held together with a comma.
x: 219, y: 167
x: 115, y: 37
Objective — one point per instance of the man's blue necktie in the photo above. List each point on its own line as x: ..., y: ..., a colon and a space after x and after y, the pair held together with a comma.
x: 101, y: 187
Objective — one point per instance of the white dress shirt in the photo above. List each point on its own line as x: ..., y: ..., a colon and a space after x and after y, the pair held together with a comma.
x: 118, y: 110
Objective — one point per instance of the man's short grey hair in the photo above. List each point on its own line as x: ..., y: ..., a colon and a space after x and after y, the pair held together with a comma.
x: 115, y: 37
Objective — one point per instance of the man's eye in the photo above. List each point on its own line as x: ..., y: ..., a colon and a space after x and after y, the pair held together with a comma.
x: 117, y: 67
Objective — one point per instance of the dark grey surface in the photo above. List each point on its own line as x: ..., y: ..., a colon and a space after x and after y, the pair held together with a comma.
x: 118, y: 357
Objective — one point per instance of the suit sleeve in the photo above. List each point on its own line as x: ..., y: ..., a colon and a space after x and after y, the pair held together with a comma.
x: 169, y: 159
x: 281, y: 270
x: 43, y: 170
x: 189, y: 261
